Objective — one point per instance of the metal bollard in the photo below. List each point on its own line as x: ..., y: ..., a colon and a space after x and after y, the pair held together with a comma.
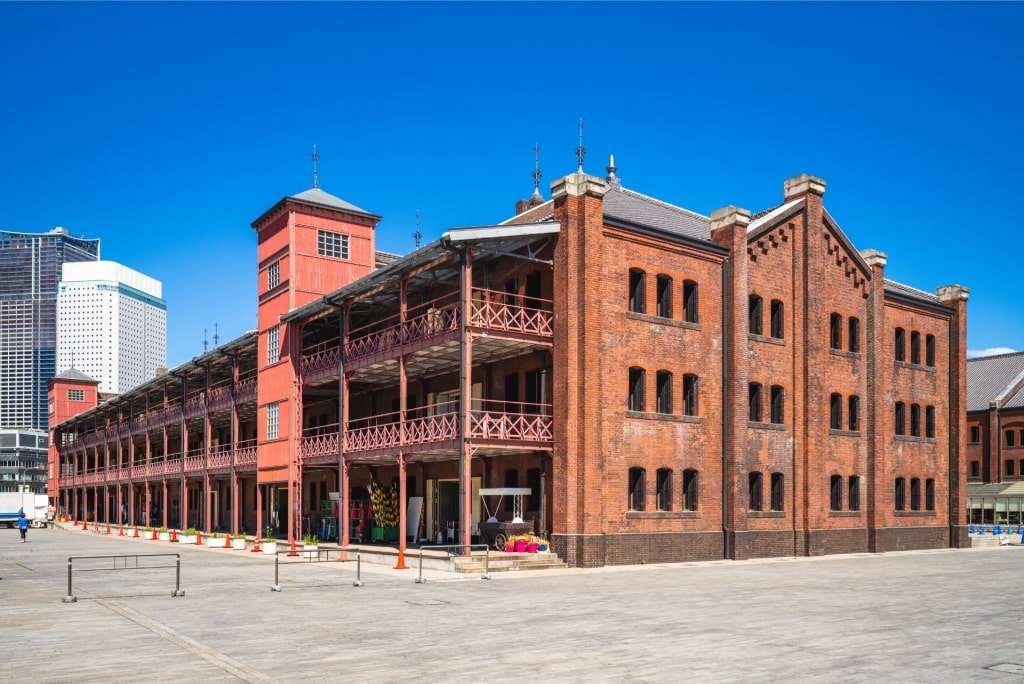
x: 420, y: 580
x: 359, y: 571
x: 487, y: 563
x: 178, y: 591
x: 69, y: 598
x: 276, y: 586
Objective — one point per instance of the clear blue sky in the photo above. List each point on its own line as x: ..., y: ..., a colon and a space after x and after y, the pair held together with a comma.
x: 165, y: 129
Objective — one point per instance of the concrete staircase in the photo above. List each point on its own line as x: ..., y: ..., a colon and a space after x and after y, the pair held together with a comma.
x: 501, y: 561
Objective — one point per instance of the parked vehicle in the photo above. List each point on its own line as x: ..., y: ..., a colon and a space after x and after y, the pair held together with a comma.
x: 13, y: 503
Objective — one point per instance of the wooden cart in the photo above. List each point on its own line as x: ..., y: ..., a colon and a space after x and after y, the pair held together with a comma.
x: 496, y: 532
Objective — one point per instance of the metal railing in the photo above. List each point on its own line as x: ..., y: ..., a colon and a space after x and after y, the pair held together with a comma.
x: 322, y: 555
x: 178, y: 591
x: 449, y: 547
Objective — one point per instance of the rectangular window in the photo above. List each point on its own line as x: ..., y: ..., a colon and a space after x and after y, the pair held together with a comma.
x: 900, y: 494
x: 76, y: 395
x: 915, y: 347
x: 331, y: 244
x: 900, y: 418
x: 273, y: 275
x: 636, y: 389
x: 664, y: 297
x: 915, y: 420
x: 690, y: 490
x: 1008, y: 467
x: 690, y: 301
x: 836, y: 493
x: 853, y: 495
x: 272, y: 420
x: 636, y: 489
x: 929, y: 494
x: 664, y: 489
x: 975, y: 434
x: 975, y: 469
x: 689, y: 395
x: 777, y: 311
x: 754, y: 484
x: 929, y: 422
x: 929, y: 351
x: 853, y: 413
x: 664, y: 380
x: 1010, y: 434
x: 636, y: 290
x: 274, y: 345
x: 900, y: 344
x: 778, y: 491
x: 754, y: 314
x: 915, y: 494
x: 778, y: 404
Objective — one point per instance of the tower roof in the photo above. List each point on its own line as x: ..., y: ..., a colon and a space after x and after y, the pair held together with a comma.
x: 315, y: 197
x: 75, y: 375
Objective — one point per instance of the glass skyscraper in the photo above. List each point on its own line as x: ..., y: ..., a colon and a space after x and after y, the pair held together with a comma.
x: 30, y: 272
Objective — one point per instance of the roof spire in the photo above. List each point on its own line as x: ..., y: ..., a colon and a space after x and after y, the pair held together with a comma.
x: 417, y: 236
x: 536, y: 170
x: 580, y: 151
x: 315, y: 158
x: 612, y: 179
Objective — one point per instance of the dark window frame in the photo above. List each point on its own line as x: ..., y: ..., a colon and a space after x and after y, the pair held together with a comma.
x: 915, y: 347
x: 637, y: 290
x: 778, y: 311
x: 664, y: 296
x: 637, y: 380
x: 836, y: 493
x: 663, y: 392
x: 835, y: 331
x: 853, y: 493
x: 690, y: 490
x: 754, y: 484
x: 690, y: 398
x: 755, y: 315
x: 853, y: 413
x: 778, y: 405
x: 900, y: 494
x: 754, y: 402
x: 835, y: 414
x: 778, y: 483
x: 690, y: 302
x: 900, y: 419
x: 900, y: 345
x: 635, y: 500
x: 664, y: 489
x: 853, y: 334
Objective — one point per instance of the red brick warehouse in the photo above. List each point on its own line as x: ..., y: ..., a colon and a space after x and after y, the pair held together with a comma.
x: 669, y: 387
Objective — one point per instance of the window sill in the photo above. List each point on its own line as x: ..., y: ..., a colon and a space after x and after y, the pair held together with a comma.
x: 914, y: 514
x: 766, y: 514
x: 843, y: 433
x: 919, y: 440
x: 780, y: 341
x: 766, y: 426
x: 914, y: 366
x: 844, y: 353
x: 661, y: 320
x: 668, y: 417
x: 662, y: 515
x: 844, y: 514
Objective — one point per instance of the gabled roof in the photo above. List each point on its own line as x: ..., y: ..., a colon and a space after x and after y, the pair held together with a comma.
x: 75, y: 375
x: 631, y: 206
x: 995, y: 377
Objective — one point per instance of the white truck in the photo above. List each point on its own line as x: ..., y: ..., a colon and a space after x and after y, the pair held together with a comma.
x: 13, y: 503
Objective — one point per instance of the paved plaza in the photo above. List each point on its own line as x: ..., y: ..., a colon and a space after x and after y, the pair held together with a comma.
x: 931, y: 616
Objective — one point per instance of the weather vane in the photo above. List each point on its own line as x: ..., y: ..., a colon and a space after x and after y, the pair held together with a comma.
x: 580, y: 151
x: 417, y: 236
x: 315, y: 157
x: 536, y: 168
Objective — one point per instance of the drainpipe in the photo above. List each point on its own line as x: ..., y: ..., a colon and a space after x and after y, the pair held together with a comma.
x: 725, y: 414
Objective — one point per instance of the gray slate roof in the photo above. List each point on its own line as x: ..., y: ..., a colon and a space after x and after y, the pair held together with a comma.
x: 988, y: 377
x: 325, y: 199
x: 912, y: 291
x: 631, y: 206
x: 75, y: 374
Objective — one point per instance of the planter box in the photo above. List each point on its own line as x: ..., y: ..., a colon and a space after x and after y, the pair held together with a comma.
x: 310, y: 550
x: 164, y: 536
x: 238, y: 543
x: 217, y: 542
x: 384, y: 533
x: 186, y: 539
x: 147, y: 534
x: 270, y: 548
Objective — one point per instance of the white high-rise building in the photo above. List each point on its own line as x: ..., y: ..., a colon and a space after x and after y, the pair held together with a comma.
x: 111, y: 324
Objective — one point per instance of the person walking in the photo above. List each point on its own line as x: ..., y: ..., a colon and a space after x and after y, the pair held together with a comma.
x: 23, y: 526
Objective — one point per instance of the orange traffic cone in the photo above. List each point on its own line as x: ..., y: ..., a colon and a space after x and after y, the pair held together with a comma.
x: 256, y: 545
x: 401, y: 558
x: 120, y: 530
x: 227, y: 540
x: 199, y: 537
x: 174, y: 535
x: 293, y: 552
x: 108, y: 527
x: 85, y: 525
x: 136, y: 528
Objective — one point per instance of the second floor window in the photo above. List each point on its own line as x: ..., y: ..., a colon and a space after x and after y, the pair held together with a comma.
x: 332, y: 244
x: 754, y: 314
x: 273, y: 275
x: 690, y: 301
x: 689, y: 395
x: 274, y: 345
x: 1010, y: 438
x: 853, y: 338
x: 853, y: 413
x: 975, y: 434
x: 777, y: 311
x: 636, y: 489
x: 636, y: 389
x: 754, y: 401
x: 272, y: 420
x: 836, y: 493
x: 778, y: 404
x: 690, y: 490
x: 900, y: 343
x: 901, y: 428
x: 664, y: 392
x: 835, y: 420
x: 778, y: 491
x: 664, y: 489
x: 835, y: 331
x: 900, y: 494
x: 853, y: 494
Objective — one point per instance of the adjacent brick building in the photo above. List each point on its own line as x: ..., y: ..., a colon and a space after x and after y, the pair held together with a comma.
x: 669, y: 386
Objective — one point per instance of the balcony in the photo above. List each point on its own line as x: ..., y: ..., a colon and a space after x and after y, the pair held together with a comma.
x: 494, y: 426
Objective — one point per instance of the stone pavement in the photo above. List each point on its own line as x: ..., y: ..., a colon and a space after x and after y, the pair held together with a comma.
x: 929, y: 616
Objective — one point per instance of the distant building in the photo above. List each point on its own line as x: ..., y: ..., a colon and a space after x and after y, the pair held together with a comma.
x: 111, y: 324
x: 995, y: 439
x: 30, y: 270
x: 23, y: 461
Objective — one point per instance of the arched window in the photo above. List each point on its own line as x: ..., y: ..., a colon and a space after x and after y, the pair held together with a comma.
x: 836, y: 493
x: 664, y: 392
x: 835, y: 331
x: 929, y: 350
x: 690, y: 301
x: 636, y: 388
x: 778, y: 491
x: 900, y: 494
x: 689, y: 394
x: 853, y: 494
x: 754, y: 488
x: 755, y: 315
x: 637, y: 278
x: 664, y: 489
x: 853, y: 413
x: 778, y: 405
x: 900, y: 344
x: 777, y: 313
x: 754, y: 401
x: 915, y: 347
x: 664, y: 296
x: 853, y: 335
x: 835, y: 420
x: 901, y: 428
x: 690, y: 489
x: 636, y: 489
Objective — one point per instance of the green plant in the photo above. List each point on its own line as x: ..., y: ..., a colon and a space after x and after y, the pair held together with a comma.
x: 162, y: 530
x: 269, y: 536
x: 147, y: 528
x: 191, y: 532
x: 310, y: 540
x: 216, y: 535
